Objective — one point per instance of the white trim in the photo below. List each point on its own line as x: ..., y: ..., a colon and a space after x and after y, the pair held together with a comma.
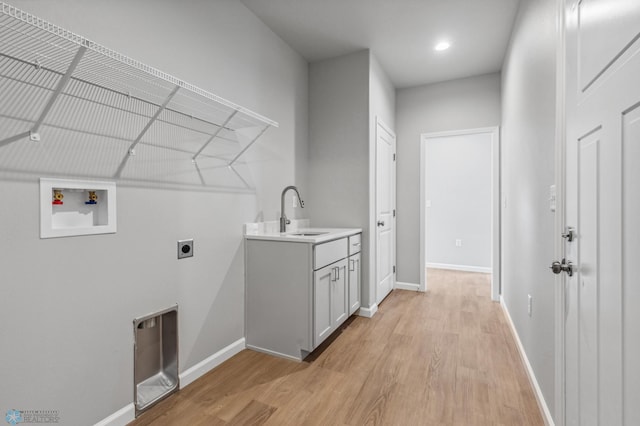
x: 368, y: 312
x: 128, y: 414
x: 407, y: 286
x: 203, y: 367
x: 373, y: 204
x: 122, y: 417
x: 423, y: 214
x: 560, y: 219
x: 495, y: 203
x: 462, y: 132
x: 369, y: 276
x: 542, y: 404
x: 465, y: 268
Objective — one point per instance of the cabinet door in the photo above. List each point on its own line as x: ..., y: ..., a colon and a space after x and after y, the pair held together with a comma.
x: 339, y: 294
x: 354, y: 283
x: 323, y: 280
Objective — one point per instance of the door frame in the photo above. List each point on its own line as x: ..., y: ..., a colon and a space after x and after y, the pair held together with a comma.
x: 495, y: 203
x: 560, y: 219
x: 374, y: 214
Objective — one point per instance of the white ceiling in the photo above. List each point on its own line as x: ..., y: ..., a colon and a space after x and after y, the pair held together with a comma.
x: 400, y: 33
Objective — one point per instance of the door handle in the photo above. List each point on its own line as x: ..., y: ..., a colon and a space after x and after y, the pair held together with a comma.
x: 381, y: 223
x: 564, y: 266
x: 352, y: 267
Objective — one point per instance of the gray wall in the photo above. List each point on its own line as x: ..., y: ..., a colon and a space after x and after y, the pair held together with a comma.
x: 338, y: 134
x: 346, y: 94
x: 339, y: 148
x: 68, y: 303
x: 453, y: 105
x: 382, y: 98
x: 528, y: 135
x: 458, y: 178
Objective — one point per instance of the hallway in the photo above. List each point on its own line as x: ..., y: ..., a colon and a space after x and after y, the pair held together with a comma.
x: 446, y: 357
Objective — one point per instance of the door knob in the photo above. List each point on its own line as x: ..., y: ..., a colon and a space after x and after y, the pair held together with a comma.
x: 558, y: 267
x: 381, y: 223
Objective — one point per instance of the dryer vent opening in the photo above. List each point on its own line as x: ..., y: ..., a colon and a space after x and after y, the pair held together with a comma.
x: 155, y: 357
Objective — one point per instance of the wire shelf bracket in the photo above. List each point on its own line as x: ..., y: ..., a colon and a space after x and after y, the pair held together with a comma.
x: 194, y: 158
x: 33, y: 134
x: 248, y: 146
x: 131, y: 151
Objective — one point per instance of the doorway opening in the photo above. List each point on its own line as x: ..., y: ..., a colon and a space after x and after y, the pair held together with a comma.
x: 460, y: 203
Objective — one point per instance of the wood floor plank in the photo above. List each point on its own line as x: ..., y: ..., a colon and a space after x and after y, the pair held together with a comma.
x: 253, y: 413
x: 445, y: 357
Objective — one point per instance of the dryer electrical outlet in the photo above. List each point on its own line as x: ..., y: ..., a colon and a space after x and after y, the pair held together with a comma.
x: 185, y: 248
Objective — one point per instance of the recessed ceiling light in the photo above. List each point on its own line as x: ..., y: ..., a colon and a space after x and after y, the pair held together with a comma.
x: 443, y: 45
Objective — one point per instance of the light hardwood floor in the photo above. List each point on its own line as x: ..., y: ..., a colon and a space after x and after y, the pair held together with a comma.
x: 445, y: 357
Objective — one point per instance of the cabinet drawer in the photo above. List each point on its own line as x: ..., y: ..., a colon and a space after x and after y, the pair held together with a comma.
x: 330, y: 252
x: 355, y: 244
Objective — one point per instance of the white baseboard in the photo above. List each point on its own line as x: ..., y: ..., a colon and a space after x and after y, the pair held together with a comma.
x: 368, y: 312
x: 542, y: 404
x: 203, y: 367
x: 122, y: 417
x: 407, y: 286
x: 128, y: 414
x: 465, y: 268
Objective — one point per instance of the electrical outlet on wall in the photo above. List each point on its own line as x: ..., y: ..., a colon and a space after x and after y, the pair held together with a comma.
x: 185, y: 248
x: 458, y: 243
x: 529, y: 304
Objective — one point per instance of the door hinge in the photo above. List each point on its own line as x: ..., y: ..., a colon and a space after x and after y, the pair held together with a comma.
x: 394, y: 269
x: 394, y: 212
x: 394, y: 157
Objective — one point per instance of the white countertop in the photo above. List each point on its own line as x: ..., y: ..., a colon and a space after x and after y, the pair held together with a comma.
x: 326, y: 234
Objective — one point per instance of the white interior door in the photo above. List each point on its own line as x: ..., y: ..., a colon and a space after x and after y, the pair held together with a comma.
x: 602, y: 319
x: 385, y: 210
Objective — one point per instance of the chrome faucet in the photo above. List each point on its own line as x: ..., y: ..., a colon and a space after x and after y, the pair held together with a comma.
x: 283, y: 217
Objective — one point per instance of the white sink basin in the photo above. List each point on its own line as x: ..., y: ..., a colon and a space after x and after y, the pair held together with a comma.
x: 307, y: 234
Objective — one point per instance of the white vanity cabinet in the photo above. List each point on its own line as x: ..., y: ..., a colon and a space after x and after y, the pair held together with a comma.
x: 297, y: 291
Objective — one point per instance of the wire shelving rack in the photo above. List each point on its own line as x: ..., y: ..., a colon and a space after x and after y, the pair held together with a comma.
x: 100, y: 112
